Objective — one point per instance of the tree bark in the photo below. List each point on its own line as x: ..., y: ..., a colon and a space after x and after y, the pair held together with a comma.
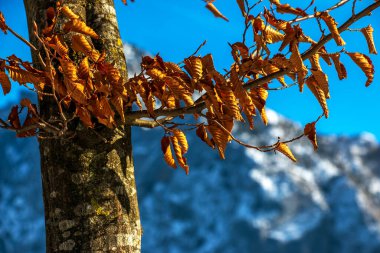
x: 88, y: 181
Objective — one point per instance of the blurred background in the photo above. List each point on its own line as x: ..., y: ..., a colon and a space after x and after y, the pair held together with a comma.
x: 252, y: 202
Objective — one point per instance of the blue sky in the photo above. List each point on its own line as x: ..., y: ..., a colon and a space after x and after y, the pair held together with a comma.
x: 175, y: 29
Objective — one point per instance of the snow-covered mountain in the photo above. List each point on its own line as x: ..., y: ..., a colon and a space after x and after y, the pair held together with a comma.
x: 258, y: 202
x: 252, y: 202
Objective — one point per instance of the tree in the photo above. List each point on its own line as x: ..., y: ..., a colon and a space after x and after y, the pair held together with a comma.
x: 84, y: 115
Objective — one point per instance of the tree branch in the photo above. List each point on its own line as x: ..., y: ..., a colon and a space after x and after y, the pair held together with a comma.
x: 341, y: 3
x: 198, y: 107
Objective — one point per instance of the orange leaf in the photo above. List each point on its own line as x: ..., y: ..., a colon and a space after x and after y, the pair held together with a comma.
x: 69, y: 70
x: 25, y: 102
x: 117, y: 102
x: 102, y: 110
x: 182, y: 140
x: 239, y: 50
x: 5, y: 83
x: 332, y: 25
x: 168, y: 156
x: 202, y: 134
x: 220, y: 136
x: 318, y: 93
x: 84, y: 116
x: 259, y: 97
x: 227, y: 95
x: 156, y: 73
x: 322, y: 81
x: 13, y: 117
x: 76, y: 91
x: 3, y: 26
x: 278, y: 23
x: 298, y: 65
x: 242, y: 7
x: 208, y: 63
x: 286, y: 8
x: 215, y: 11
x: 58, y: 46
x: 283, y: 148
x: 178, y: 153
x: 22, y: 76
x: 76, y: 25
x: 84, y: 68
x: 179, y: 89
x: 340, y: 69
x: 29, y: 122
x: 68, y: 12
x: 193, y: 65
x: 80, y: 44
x: 365, y: 63
x: 368, y: 34
x: 311, y: 134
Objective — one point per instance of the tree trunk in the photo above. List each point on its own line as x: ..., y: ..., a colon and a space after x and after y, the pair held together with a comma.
x: 88, y: 181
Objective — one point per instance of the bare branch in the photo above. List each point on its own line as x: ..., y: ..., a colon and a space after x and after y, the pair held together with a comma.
x: 21, y: 38
x: 149, y: 123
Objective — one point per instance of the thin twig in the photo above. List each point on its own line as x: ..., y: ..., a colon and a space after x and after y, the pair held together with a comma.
x: 21, y: 38
x: 196, y: 108
x: 353, y: 8
x: 199, y: 48
x: 149, y: 123
x: 339, y: 4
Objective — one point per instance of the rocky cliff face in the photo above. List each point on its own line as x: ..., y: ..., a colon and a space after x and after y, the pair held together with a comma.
x: 252, y: 202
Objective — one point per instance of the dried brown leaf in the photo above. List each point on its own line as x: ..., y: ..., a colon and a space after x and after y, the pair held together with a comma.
x: 286, y: 8
x: 220, y: 137
x: 241, y: 7
x: 182, y: 140
x: 284, y: 149
x: 211, y: 7
x: 311, y: 134
x: 366, y: 65
x: 77, y: 25
x: 322, y: 81
x: 318, y: 93
x: 332, y: 25
x: 368, y: 34
x: 193, y: 65
x: 3, y: 26
x: 13, y: 118
x: 80, y: 44
x: 85, y: 116
x: 5, y: 83
x: 168, y: 156
x: 340, y: 69
x: 178, y: 153
x: 202, y: 134
x: 69, y: 13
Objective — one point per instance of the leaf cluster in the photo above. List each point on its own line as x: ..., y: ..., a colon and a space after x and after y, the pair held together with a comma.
x: 87, y: 87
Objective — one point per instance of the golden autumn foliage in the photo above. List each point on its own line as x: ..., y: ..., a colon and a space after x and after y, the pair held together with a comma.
x: 88, y: 88
x: 3, y: 26
x: 332, y: 25
x: 365, y: 63
x: 368, y: 35
x: 168, y: 156
x: 311, y: 134
x: 215, y: 11
x: 284, y: 149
